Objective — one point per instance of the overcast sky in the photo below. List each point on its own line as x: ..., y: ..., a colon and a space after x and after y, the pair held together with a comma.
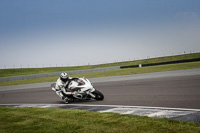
x: 37, y: 33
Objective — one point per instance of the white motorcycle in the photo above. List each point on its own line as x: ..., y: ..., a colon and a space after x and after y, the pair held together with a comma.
x: 80, y: 89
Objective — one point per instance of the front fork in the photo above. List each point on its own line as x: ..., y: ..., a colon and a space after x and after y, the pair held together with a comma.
x: 90, y: 93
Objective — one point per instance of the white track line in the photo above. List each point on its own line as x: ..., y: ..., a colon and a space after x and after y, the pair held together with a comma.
x: 115, y: 106
x: 134, y: 110
x: 142, y: 107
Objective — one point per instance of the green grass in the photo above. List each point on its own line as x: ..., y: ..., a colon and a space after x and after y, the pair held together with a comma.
x: 127, y: 71
x: 149, y: 69
x: 29, y: 71
x: 19, y: 120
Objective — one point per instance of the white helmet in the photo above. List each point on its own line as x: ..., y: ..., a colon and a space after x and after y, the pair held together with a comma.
x: 64, y: 76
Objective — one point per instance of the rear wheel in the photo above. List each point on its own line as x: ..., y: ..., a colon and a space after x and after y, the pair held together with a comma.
x: 98, y: 95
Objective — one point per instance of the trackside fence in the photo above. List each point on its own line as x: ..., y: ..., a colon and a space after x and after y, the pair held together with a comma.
x: 3, y: 79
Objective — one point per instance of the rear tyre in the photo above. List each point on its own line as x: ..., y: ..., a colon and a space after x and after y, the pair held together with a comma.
x: 98, y: 95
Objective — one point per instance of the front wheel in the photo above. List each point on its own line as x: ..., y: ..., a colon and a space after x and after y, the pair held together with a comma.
x: 98, y: 95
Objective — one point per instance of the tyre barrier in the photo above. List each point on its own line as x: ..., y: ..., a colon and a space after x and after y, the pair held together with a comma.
x: 161, y: 63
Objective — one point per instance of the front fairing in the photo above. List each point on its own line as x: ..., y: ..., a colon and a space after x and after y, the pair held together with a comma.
x: 82, y: 83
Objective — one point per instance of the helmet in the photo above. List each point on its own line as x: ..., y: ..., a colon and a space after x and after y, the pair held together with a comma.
x: 64, y: 76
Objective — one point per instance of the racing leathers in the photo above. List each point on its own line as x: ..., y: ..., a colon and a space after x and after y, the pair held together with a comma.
x: 62, y: 86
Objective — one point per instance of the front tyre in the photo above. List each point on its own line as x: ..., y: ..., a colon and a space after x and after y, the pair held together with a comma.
x: 98, y: 95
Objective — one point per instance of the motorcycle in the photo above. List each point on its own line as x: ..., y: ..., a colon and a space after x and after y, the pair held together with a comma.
x: 80, y: 89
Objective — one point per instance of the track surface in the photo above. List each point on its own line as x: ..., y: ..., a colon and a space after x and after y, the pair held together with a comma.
x: 174, y: 92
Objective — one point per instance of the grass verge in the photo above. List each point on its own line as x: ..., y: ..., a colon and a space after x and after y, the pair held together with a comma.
x: 15, y: 119
x: 128, y: 71
x: 30, y: 71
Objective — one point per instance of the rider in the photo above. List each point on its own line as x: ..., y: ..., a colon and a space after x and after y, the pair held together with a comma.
x: 62, y: 85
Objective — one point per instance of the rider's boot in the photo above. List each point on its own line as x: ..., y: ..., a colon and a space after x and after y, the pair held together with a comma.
x: 65, y: 99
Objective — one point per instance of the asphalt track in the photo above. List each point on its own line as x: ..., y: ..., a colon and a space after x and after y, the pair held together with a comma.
x: 156, y: 93
x: 171, y: 91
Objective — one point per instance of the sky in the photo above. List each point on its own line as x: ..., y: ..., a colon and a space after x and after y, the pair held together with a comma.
x: 49, y: 33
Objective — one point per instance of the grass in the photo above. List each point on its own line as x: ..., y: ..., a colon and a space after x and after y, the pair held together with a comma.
x: 29, y: 71
x: 18, y: 120
x: 127, y: 71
